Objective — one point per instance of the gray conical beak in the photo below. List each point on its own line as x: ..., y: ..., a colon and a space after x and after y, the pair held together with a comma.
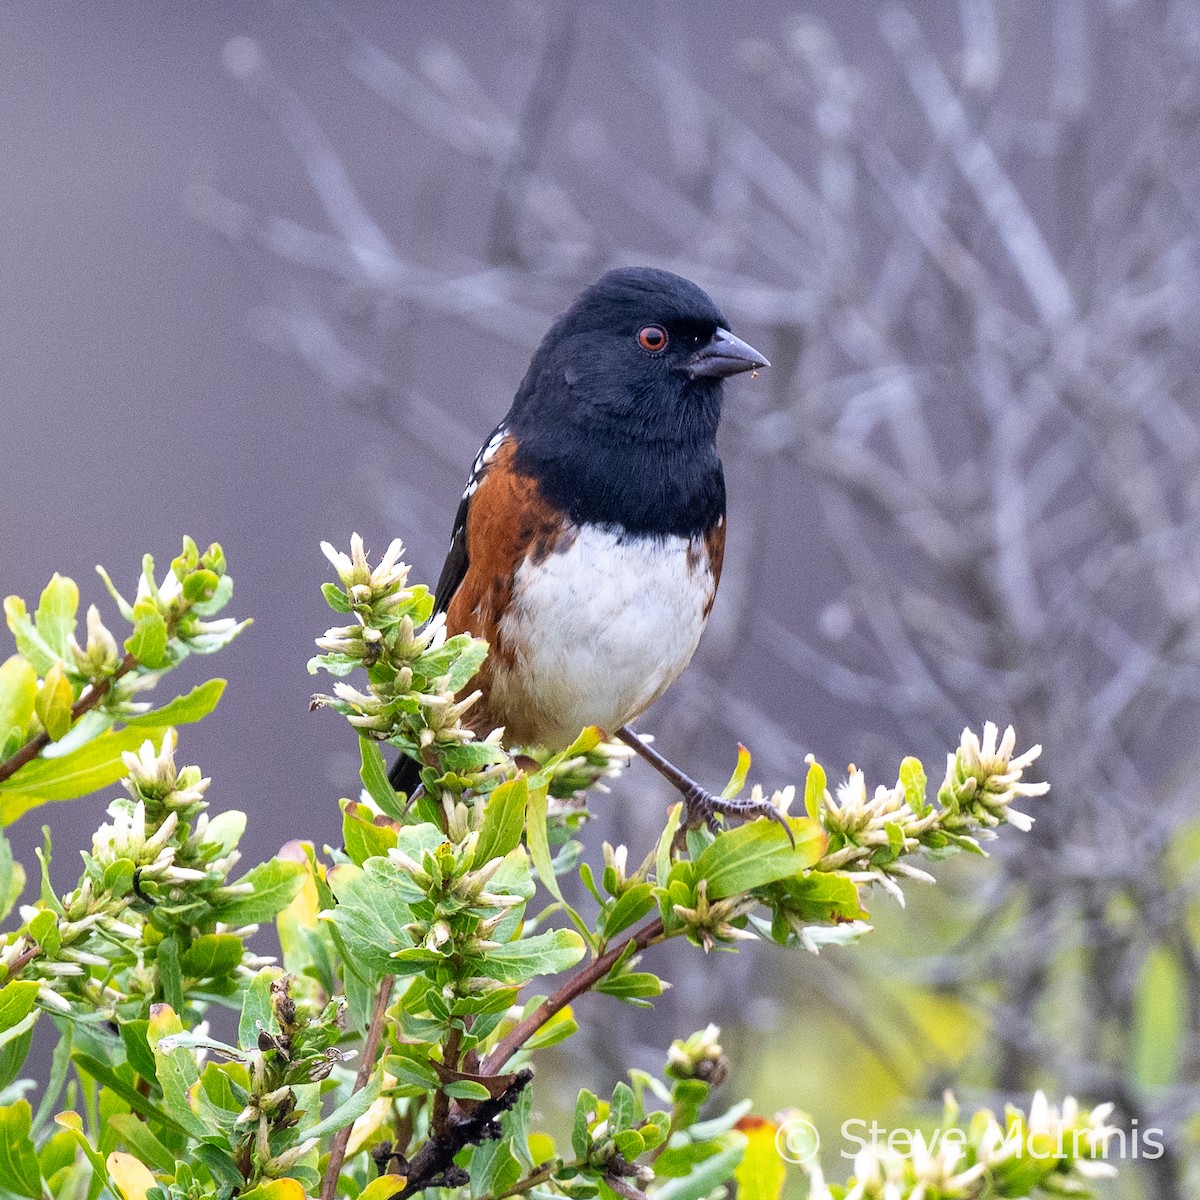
x: 724, y: 355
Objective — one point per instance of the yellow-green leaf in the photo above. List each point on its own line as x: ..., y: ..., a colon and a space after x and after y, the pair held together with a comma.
x: 55, y: 616
x: 16, y: 1001
x: 383, y: 1188
x: 19, y: 1169
x: 94, y: 766
x: 503, y: 820
x: 761, y: 1173
x: 737, y: 780
x: 29, y: 642
x: 130, y: 1177
x: 814, y: 788
x: 277, y: 1189
x: 18, y: 692
x: 538, y: 837
x: 53, y: 703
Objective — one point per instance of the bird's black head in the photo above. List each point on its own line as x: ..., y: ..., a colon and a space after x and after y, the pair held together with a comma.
x: 640, y: 354
x: 620, y: 406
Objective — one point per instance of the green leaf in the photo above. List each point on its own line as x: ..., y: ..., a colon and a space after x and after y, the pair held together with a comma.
x: 137, y: 1050
x: 335, y: 597
x: 635, y: 902
x: 258, y: 1013
x: 581, y: 1137
x: 169, y: 976
x: 374, y: 776
x: 348, y: 1111
x: 271, y: 887
x: 468, y: 662
x: 538, y: 838
x: 16, y: 1001
x: 177, y: 1074
x: 136, y: 1134
x: 662, y: 855
x: 183, y: 710
x: 503, y: 820
x: 55, y: 616
x: 60, y: 1067
x: 199, y: 587
x: 73, y: 1124
x: 12, y: 878
x: 43, y: 928
x: 758, y: 853
x: 620, y: 1111
x: 19, y: 1170
x: 557, y: 1029
x: 632, y: 986
x: 542, y: 954
x: 148, y: 641
x: 704, y: 1177
x: 466, y: 1089
x: 91, y: 768
x: 814, y: 789
x: 362, y: 838
x: 371, y: 913
x: 105, y: 1075
x: 30, y: 643
x: 18, y: 691
x: 822, y: 896
x: 212, y: 955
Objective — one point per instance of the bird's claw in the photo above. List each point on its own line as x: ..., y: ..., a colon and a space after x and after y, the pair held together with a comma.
x: 702, y: 808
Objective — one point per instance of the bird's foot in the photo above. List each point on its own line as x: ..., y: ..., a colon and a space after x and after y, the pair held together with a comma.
x: 703, y: 808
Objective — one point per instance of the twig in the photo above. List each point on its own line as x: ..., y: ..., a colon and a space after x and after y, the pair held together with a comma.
x: 85, y: 703
x: 433, y: 1165
x: 22, y: 960
x: 439, y: 1118
x: 337, y: 1151
x: 576, y: 985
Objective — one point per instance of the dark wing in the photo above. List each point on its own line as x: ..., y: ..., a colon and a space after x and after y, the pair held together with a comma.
x: 454, y: 569
x: 405, y: 773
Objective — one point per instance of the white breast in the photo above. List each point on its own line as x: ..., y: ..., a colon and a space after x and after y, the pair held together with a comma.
x: 595, y: 633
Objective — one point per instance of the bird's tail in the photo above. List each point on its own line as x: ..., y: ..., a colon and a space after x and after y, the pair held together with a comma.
x: 405, y: 775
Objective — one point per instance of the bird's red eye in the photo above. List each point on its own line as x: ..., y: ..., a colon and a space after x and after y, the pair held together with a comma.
x: 652, y: 338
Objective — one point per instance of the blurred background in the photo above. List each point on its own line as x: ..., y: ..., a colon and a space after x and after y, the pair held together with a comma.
x: 273, y: 270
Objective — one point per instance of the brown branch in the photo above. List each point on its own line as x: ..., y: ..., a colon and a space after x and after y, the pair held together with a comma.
x: 575, y: 986
x: 22, y: 960
x: 337, y: 1151
x: 433, y: 1165
x: 85, y: 703
x: 441, y: 1101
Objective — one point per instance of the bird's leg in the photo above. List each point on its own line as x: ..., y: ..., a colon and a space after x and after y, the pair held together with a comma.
x: 700, y: 804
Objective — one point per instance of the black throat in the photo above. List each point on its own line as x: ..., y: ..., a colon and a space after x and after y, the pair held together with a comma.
x: 643, y: 488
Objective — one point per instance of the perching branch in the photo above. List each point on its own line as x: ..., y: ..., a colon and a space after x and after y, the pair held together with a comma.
x: 95, y: 693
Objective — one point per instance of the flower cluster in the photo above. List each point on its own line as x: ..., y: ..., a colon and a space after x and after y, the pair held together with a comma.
x: 869, y: 836
x: 1057, y: 1150
x: 414, y: 670
x: 158, y: 855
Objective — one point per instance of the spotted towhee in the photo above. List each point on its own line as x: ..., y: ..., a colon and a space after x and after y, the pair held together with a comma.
x: 588, y: 544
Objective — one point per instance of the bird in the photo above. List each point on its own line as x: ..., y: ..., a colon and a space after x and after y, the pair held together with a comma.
x: 588, y: 544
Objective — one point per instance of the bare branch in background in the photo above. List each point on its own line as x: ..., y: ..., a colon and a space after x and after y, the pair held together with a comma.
x: 983, y: 395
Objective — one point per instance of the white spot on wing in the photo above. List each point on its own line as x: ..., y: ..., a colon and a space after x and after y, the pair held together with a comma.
x: 482, y: 459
